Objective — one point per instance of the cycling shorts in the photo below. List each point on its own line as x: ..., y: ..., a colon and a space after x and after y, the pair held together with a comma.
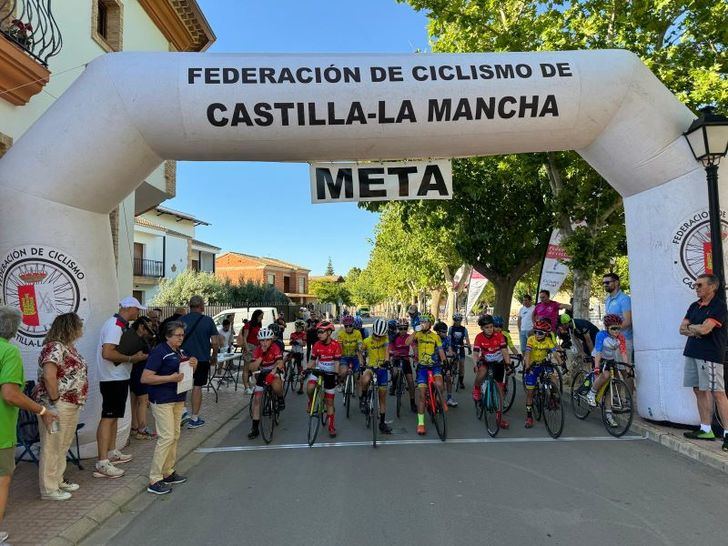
x: 330, y: 380
x: 262, y: 379
x: 499, y: 369
x: 404, y: 363
x: 530, y: 377
x: 382, y: 376
x: 459, y: 351
x: 422, y: 373
x: 350, y: 361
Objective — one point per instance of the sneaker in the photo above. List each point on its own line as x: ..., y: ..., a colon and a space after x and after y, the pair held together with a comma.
x: 185, y: 416
x: 107, y: 470
x: 384, y: 428
x: 159, y: 488
x: 253, y: 434
x: 476, y: 394
x: 299, y: 391
x: 699, y: 435
x: 461, y: 385
x: 529, y: 422
x: 452, y: 403
x: 249, y: 390
x: 174, y: 478
x: 591, y: 398
x: 195, y: 423
x: 610, y: 420
x: 65, y: 485
x: 117, y: 457
x: 502, y: 423
x: 332, y: 432
x: 57, y: 496
x: 421, y: 430
x: 3, y: 536
x: 725, y: 448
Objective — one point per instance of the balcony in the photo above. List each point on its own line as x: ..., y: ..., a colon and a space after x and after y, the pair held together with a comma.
x: 148, y: 268
x: 29, y: 37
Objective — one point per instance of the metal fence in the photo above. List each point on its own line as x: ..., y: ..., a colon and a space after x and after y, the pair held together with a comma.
x: 31, y: 26
x: 290, y: 312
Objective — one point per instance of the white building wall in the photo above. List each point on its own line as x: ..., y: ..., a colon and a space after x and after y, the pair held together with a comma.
x: 153, y: 243
x: 176, y: 256
x: 207, y: 261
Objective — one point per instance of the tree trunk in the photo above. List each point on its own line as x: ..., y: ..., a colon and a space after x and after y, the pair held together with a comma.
x: 582, y: 292
x: 435, y: 294
x: 504, y: 288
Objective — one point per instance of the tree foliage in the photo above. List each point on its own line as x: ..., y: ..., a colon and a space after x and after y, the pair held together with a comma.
x: 330, y: 292
x: 329, y: 268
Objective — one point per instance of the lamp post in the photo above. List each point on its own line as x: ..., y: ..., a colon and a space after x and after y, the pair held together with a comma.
x: 707, y: 137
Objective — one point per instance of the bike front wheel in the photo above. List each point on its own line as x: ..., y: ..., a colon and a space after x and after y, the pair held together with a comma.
x: 374, y: 412
x: 439, y: 417
x: 314, y: 419
x: 267, y: 417
x: 553, y: 410
x: 620, y: 396
x: 579, y: 405
x: 509, y: 395
x: 492, y: 407
x: 348, y: 391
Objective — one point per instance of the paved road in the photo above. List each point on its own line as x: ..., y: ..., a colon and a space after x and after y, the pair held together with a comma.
x: 521, y: 488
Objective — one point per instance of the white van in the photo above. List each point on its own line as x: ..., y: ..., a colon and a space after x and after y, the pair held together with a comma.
x: 238, y: 314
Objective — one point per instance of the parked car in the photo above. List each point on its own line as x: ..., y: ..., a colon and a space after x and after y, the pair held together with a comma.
x: 363, y: 312
x: 238, y: 314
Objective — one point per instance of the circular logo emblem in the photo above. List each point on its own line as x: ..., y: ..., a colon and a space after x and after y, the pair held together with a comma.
x: 43, y: 282
x: 692, y: 251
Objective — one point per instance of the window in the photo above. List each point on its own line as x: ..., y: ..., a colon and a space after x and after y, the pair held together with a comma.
x: 286, y: 284
x: 270, y: 278
x: 195, y: 265
x: 107, y: 21
x: 139, y: 295
x: 301, y: 285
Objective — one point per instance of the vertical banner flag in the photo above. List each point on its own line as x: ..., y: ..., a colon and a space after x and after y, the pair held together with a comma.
x: 477, y: 284
x: 554, y: 271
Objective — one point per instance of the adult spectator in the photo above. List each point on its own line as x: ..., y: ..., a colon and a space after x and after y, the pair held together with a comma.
x: 583, y: 330
x: 12, y: 400
x: 162, y: 375
x: 548, y: 309
x: 114, y: 371
x: 227, y: 335
x: 705, y: 327
x: 619, y: 303
x: 311, y: 335
x: 155, y: 321
x: 525, y: 320
x: 138, y: 338
x: 63, y: 387
x: 179, y: 312
x: 281, y: 322
x: 200, y: 341
x: 414, y: 316
x: 248, y: 341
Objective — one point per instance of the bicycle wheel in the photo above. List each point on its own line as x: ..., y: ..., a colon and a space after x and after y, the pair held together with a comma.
x: 492, y: 405
x: 348, y: 390
x: 323, y: 411
x: 509, y: 394
x: 267, y: 418
x: 553, y: 410
x: 579, y: 405
x: 560, y: 375
x: 538, y: 401
x: 439, y: 417
x: 314, y: 420
x: 622, y: 413
x: 374, y: 412
x: 456, y: 376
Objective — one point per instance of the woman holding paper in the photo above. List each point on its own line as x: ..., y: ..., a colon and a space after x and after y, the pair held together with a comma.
x: 167, y: 368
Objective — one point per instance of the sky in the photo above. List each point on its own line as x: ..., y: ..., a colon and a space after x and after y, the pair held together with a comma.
x: 265, y: 209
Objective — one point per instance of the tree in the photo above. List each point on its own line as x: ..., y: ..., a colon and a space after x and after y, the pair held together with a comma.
x: 254, y: 293
x: 330, y: 292
x: 179, y: 290
x: 681, y: 41
x: 362, y: 288
x: 329, y: 268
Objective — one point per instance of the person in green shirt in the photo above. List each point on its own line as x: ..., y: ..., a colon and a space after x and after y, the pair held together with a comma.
x: 12, y: 400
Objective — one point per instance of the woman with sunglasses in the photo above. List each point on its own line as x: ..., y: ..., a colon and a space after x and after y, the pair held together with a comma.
x: 538, y: 347
x: 399, y: 355
x: 325, y: 354
x: 610, y: 345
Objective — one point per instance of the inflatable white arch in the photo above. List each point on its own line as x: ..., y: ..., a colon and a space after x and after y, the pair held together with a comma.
x: 130, y: 111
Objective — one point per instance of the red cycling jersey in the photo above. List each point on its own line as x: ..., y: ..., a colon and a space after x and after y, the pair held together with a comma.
x: 325, y: 354
x: 267, y: 358
x: 398, y: 348
x: 490, y: 347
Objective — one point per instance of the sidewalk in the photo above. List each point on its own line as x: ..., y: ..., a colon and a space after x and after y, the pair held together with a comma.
x: 29, y: 520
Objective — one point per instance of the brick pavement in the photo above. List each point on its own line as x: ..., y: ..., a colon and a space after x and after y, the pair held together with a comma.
x: 29, y: 520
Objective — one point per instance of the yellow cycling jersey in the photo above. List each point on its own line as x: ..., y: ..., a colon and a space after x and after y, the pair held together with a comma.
x: 539, y: 349
x: 376, y: 350
x: 349, y: 342
x: 427, y: 345
x: 509, y: 340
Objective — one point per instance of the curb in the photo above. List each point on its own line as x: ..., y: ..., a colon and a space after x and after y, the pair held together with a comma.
x: 681, y: 446
x: 136, y: 489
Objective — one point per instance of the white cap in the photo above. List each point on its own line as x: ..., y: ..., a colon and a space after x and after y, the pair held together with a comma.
x: 131, y: 301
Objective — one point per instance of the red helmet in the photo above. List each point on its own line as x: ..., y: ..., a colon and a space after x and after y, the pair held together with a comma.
x: 543, y: 325
x: 325, y: 325
x: 348, y: 320
x: 612, y: 320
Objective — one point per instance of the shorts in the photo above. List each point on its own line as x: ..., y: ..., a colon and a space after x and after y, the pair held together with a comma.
x: 201, y: 374
x: 404, y: 363
x: 297, y: 358
x: 459, y: 351
x: 499, y: 370
x: 7, y: 461
x: 113, y: 398
x: 352, y: 361
x: 382, y: 376
x: 703, y: 374
x: 531, y: 376
x: 135, y: 380
x: 422, y: 373
x: 330, y: 380
x: 261, y: 380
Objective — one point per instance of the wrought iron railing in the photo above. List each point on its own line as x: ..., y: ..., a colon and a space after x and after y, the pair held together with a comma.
x: 30, y: 25
x: 148, y: 268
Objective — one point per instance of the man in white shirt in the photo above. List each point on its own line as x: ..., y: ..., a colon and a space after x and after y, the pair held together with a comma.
x: 525, y: 320
x: 114, y: 370
x: 227, y: 335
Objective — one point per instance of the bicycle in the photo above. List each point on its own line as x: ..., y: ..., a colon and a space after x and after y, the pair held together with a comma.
x: 614, y: 397
x: 349, y: 389
x: 435, y: 405
x: 317, y: 412
x: 292, y: 378
x: 547, y: 400
x: 371, y: 414
x: 509, y: 385
x: 490, y: 403
x: 269, y: 413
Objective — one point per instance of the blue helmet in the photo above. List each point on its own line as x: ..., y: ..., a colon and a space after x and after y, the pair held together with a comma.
x: 498, y: 321
x: 357, y: 322
x: 392, y: 324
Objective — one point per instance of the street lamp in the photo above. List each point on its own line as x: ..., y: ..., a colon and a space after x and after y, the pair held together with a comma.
x: 707, y: 137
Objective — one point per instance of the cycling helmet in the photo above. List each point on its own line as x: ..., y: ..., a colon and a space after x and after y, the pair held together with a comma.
x: 403, y: 323
x: 498, y: 321
x: 275, y: 328
x: 325, y: 325
x: 412, y: 309
x: 380, y: 327
x: 392, y: 324
x: 357, y: 322
x: 440, y: 327
x: 457, y: 317
x: 348, y: 320
x: 612, y: 320
x: 565, y: 318
x: 299, y: 324
x: 484, y: 320
x: 542, y: 325
x: 265, y: 333
x: 427, y: 317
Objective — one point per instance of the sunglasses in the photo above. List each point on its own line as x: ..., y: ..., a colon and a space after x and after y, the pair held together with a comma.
x: 402, y: 328
x: 615, y: 328
x: 321, y: 331
x: 539, y: 332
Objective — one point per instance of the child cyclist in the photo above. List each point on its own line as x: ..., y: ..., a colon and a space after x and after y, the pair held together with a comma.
x: 498, y: 327
x: 459, y: 340
x: 325, y: 356
x: 428, y: 344
x: 374, y: 353
x: 538, y: 347
x: 268, y: 358
x: 298, y: 342
x: 440, y: 329
x: 399, y: 356
x: 609, y: 345
x: 350, y: 339
x: 491, y: 349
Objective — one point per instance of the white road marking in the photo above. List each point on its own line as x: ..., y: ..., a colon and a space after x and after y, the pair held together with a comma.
x: 228, y: 449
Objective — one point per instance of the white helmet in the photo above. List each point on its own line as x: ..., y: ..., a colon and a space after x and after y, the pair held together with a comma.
x: 380, y: 327
x: 265, y: 333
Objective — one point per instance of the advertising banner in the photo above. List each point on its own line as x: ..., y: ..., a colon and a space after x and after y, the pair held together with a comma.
x: 475, y: 289
x: 554, y: 270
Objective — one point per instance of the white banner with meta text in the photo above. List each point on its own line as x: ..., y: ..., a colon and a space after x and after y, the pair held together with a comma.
x: 381, y: 181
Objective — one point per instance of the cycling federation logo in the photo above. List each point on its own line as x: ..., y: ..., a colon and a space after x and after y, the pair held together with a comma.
x: 42, y: 282
x: 692, y: 252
